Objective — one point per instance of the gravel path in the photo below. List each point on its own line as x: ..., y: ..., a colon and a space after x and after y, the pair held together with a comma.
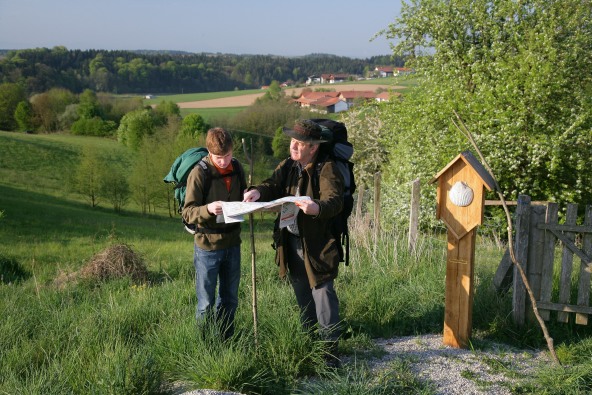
x: 452, y: 371
x: 458, y: 371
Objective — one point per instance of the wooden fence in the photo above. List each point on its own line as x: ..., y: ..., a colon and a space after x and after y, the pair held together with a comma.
x: 558, y: 285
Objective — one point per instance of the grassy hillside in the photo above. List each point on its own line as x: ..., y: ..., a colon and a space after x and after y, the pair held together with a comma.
x: 43, y: 163
x: 64, y: 333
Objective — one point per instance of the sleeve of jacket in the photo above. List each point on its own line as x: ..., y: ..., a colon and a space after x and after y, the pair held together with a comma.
x: 194, y: 209
x: 331, y: 187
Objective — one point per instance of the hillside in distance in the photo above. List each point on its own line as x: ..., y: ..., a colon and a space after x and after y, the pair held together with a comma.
x: 169, y: 71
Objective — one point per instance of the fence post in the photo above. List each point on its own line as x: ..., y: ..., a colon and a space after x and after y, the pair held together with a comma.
x: 521, y: 248
x: 376, y: 205
x: 414, y: 215
x: 360, y: 203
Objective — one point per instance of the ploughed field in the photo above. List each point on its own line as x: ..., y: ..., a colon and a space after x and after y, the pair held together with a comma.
x: 247, y: 100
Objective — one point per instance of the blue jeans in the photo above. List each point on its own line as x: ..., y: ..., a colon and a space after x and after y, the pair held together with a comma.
x: 211, y: 266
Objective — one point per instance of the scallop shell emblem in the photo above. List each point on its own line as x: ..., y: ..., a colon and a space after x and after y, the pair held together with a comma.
x: 461, y: 194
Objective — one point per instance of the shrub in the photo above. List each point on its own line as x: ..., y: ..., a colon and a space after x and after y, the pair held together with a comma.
x: 93, y: 127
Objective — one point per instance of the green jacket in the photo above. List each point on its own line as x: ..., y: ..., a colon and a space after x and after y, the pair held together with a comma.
x: 218, y: 235
x: 321, y: 256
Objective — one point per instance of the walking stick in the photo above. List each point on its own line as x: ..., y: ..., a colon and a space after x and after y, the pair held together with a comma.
x: 252, y: 236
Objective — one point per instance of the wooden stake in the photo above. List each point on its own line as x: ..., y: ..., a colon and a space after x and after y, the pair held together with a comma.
x: 460, y: 264
x: 252, y: 237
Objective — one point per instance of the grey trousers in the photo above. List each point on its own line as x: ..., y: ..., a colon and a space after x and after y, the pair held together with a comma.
x: 319, y: 305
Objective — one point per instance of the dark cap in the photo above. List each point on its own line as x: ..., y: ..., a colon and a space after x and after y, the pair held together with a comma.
x: 307, y: 131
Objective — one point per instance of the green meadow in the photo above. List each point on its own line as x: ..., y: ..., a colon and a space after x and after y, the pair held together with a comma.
x: 62, y: 332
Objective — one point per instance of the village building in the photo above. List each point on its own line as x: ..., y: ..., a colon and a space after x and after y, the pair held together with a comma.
x: 386, y: 96
x: 329, y: 105
x: 334, y: 78
x: 313, y: 79
x: 384, y: 71
x: 349, y: 97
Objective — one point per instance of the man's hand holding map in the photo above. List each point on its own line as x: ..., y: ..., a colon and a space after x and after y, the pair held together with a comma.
x: 234, y: 211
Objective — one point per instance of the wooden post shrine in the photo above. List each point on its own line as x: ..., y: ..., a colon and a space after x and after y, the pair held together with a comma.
x: 460, y: 202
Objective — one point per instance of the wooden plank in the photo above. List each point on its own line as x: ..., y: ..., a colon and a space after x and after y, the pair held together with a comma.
x: 502, y: 280
x: 459, y: 290
x: 566, y: 308
x: 451, y: 295
x: 566, y: 262
x: 535, y: 250
x: 514, y: 203
x: 567, y: 228
x: 548, y: 259
x: 585, y: 271
x: 568, y: 241
x: 521, y: 248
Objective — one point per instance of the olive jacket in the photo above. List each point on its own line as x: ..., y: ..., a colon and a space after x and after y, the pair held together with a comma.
x: 212, y: 235
x: 320, y: 248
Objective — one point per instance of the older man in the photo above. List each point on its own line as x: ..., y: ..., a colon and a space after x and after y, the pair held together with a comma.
x: 306, y: 250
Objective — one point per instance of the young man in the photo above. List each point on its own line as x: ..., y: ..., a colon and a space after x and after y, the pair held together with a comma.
x: 306, y: 250
x: 216, y: 244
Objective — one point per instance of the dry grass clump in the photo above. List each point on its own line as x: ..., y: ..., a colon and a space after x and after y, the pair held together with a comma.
x: 115, y: 262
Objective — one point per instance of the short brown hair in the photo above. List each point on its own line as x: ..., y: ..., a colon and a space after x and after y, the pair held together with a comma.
x: 218, y: 141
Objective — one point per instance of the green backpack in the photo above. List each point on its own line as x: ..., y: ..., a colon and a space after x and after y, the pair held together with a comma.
x: 180, y: 170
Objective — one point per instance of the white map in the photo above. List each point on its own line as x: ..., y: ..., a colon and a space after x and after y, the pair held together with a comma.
x: 234, y: 211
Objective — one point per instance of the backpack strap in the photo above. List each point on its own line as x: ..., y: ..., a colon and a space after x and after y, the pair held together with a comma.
x: 207, y: 183
x: 207, y: 179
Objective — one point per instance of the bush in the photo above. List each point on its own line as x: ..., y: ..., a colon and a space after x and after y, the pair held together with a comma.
x: 93, y: 127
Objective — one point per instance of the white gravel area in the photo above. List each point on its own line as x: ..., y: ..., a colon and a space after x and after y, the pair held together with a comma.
x: 460, y: 371
x: 488, y: 370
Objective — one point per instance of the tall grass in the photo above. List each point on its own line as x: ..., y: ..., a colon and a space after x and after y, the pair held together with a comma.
x: 121, y: 337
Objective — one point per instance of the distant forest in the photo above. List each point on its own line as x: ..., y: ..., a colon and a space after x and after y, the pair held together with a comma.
x: 41, y: 69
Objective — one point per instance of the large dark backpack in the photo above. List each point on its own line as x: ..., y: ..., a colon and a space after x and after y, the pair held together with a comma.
x: 180, y: 170
x: 340, y: 150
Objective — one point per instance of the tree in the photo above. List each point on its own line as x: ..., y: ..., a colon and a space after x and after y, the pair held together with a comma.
x: 11, y: 95
x: 23, y: 115
x: 134, y: 126
x: 365, y: 129
x: 48, y: 106
x: 89, y: 176
x: 194, y: 125
x: 280, y: 144
x: 115, y: 187
x: 151, y: 163
x: 164, y: 110
x: 274, y: 93
x: 518, y: 75
x: 88, y: 106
